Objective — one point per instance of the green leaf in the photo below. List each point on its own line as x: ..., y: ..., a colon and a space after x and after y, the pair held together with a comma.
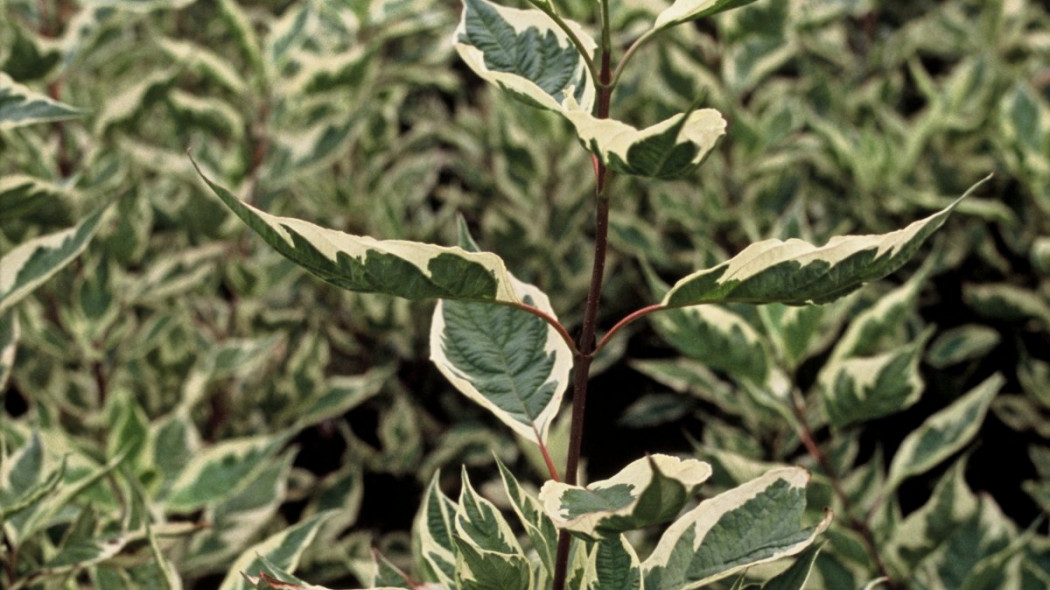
x: 1007, y: 302
x: 648, y: 491
x: 21, y: 195
x: 479, y: 523
x: 21, y: 106
x: 221, y: 470
x: 612, y: 564
x: 872, y: 330
x: 794, y: 577
x: 487, y: 552
x: 865, y: 388
x: 757, y: 522
x: 538, y: 526
x: 282, y: 549
x: 526, y: 54
x: 85, y: 553
x: 923, y: 531
x: 394, y: 267
x: 944, y: 433
x: 669, y: 149
x: 797, y: 272
x: 509, y: 361
x: 719, y: 338
x: 686, y: 10
x: 28, y: 265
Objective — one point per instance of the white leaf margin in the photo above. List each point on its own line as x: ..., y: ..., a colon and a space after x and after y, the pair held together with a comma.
x: 563, y: 361
x: 521, y: 21
x: 638, y: 474
x: 709, y: 512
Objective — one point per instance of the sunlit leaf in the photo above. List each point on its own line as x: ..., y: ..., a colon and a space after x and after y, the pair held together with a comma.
x: 686, y: 10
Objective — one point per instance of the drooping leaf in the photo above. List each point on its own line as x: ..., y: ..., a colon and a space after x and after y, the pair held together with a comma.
x: 526, y: 54
x: 944, y: 433
x: 508, y: 360
x: 648, y: 491
x: 20, y: 106
x: 686, y: 10
x: 757, y: 522
x: 797, y: 272
x: 668, y: 149
x: 282, y: 549
x: 28, y: 265
x: 394, y: 267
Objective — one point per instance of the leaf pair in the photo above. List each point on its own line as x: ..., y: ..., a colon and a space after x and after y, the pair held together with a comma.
x: 549, y: 64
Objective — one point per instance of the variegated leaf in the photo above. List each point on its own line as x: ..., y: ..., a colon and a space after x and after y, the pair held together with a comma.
x: 864, y: 388
x: 282, y: 549
x: 923, y: 531
x: 21, y: 194
x: 686, y: 10
x: 719, y: 338
x: 220, y: 471
x: 487, y: 552
x: 394, y: 267
x: 526, y: 54
x: 509, y: 361
x: 794, y: 577
x: 668, y: 149
x: 20, y: 106
x: 8, y: 345
x: 944, y: 433
x: 648, y: 491
x: 797, y: 272
x: 433, y: 544
x: 962, y: 343
x: 757, y: 522
x: 28, y: 265
x: 538, y: 526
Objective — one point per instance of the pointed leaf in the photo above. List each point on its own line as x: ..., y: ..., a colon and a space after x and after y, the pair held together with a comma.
x: 686, y: 10
x: 538, y: 526
x: 526, y: 54
x: 798, y: 272
x: 754, y: 523
x: 864, y: 388
x: 434, y: 546
x: 282, y: 549
x: 944, y: 433
x: 220, y: 471
x: 923, y: 531
x: 719, y: 338
x: 508, y: 360
x: 394, y: 267
x: 479, y: 522
x: 21, y: 106
x: 28, y: 265
x: 669, y: 149
x: 649, y: 491
x: 487, y: 552
x: 616, y: 566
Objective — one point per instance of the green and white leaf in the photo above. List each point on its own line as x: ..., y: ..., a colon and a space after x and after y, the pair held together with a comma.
x: 944, y: 433
x: 508, y: 360
x: 282, y: 550
x: 525, y: 53
x: 668, y: 149
x: 538, y: 526
x: 648, y: 491
x: 28, y: 265
x: 21, y: 194
x: 432, y: 541
x: 923, y: 531
x: 487, y: 552
x: 611, y: 564
x: 797, y: 272
x: 795, y: 577
x: 8, y: 345
x: 411, y: 270
x: 872, y: 330
x: 757, y: 522
x: 19, y: 105
x: 962, y: 343
x: 721, y: 339
x: 221, y: 470
x: 686, y: 10
x: 858, y: 389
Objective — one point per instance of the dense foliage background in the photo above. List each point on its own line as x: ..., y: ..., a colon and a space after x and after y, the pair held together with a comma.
x: 181, y: 390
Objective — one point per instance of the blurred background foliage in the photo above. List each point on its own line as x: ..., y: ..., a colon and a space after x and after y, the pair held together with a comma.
x: 180, y: 391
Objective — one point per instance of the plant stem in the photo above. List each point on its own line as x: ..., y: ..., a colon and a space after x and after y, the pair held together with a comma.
x: 862, y: 529
x: 586, y: 344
